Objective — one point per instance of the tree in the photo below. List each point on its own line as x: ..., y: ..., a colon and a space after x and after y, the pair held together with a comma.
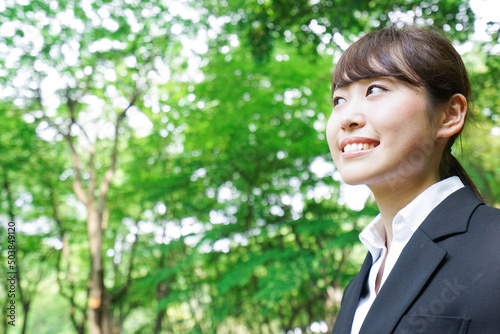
x: 71, y: 56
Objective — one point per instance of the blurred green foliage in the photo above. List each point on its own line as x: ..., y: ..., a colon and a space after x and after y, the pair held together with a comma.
x: 206, y: 118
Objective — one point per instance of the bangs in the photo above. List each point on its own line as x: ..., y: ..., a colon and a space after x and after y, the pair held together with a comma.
x: 380, y: 54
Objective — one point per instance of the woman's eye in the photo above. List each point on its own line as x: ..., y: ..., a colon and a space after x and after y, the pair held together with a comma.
x: 338, y: 100
x: 374, y: 89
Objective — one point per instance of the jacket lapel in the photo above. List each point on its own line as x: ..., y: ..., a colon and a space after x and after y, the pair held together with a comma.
x: 415, y: 266
x: 350, y: 300
x: 418, y: 261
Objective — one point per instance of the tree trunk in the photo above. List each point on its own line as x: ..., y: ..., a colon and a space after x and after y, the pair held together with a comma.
x: 26, y: 308
x: 24, y: 297
x: 161, y: 292
x: 100, y: 317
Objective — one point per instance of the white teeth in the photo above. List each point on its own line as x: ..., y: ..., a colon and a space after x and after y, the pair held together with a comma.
x: 358, y: 147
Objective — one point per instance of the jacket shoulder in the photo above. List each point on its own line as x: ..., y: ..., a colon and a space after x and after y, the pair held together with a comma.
x: 484, y: 227
x: 487, y: 212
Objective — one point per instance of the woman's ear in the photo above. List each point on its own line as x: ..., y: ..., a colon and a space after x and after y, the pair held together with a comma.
x: 453, y: 117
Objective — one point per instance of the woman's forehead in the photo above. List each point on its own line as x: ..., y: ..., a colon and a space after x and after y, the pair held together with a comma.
x: 390, y: 65
x: 373, y: 80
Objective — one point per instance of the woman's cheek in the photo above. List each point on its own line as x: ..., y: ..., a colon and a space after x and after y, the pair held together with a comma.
x: 332, y: 128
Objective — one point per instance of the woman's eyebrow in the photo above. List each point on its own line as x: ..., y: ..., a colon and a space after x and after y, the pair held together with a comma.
x: 341, y: 85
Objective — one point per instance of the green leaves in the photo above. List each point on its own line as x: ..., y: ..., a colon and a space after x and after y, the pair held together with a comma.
x: 223, y: 213
x: 264, y: 25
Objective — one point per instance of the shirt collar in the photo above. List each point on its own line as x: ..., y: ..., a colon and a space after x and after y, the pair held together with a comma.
x: 409, y: 218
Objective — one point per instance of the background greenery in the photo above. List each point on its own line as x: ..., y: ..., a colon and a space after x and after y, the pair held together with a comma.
x: 166, y: 165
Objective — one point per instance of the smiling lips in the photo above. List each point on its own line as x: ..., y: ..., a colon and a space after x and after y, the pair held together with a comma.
x: 350, y: 145
x: 358, y: 147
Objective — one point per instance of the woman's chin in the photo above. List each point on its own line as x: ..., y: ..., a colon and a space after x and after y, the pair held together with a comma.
x: 352, y: 180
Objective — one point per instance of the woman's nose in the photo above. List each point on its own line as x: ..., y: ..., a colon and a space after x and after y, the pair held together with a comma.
x: 352, y: 120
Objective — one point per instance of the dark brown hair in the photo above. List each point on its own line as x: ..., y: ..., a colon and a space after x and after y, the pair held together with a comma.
x: 422, y: 57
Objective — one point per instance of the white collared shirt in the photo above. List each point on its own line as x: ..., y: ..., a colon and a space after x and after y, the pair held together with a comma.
x: 404, y: 224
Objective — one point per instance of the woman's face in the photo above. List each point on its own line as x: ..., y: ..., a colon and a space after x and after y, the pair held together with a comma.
x: 380, y: 134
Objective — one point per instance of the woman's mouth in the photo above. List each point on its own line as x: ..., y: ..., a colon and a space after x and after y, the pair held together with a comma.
x: 355, y: 147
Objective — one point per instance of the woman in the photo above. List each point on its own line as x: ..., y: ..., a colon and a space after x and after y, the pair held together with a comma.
x: 400, y: 100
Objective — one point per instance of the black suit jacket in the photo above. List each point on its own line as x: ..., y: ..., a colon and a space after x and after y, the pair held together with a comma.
x: 446, y: 280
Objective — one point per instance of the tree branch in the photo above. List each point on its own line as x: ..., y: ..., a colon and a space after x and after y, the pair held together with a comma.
x: 121, y: 292
x: 71, y: 103
x: 77, y: 185
x: 10, y: 202
x: 108, y: 176
x: 92, y: 171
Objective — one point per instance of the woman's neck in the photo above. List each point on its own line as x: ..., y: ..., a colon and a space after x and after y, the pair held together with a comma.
x: 391, y: 201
